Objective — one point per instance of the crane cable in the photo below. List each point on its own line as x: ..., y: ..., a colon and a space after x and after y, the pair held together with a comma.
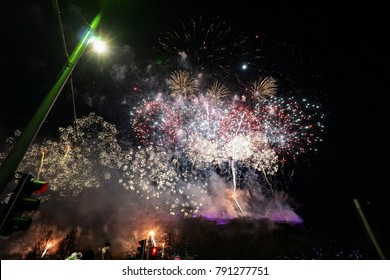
x: 57, y: 9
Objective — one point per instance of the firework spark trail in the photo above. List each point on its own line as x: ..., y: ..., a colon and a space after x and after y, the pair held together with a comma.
x: 65, y: 155
x: 48, y: 246
x: 151, y: 236
x: 238, y: 204
x: 41, y: 164
x: 234, y: 168
x: 234, y: 186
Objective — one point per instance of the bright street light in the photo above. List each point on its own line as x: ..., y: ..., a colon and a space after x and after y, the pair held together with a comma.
x: 98, y: 44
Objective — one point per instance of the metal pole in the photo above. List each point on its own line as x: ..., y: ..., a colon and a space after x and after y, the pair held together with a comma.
x: 12, y: 161
x: 149, y: 246
x: 369, y: 230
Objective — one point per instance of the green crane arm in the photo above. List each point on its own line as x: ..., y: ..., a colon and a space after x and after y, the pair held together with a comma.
x: 15, y: 156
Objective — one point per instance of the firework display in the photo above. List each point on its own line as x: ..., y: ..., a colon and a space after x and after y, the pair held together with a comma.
x: 210, y: 142
x: 234, y: 139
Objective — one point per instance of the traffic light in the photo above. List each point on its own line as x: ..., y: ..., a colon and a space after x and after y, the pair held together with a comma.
x: 153, y: 252
x: 141, y: 249
x: 11, y: 218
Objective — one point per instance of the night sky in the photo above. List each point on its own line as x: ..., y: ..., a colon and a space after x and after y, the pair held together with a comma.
x: 336, y: 54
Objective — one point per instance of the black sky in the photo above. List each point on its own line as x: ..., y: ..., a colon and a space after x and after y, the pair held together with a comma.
x: 341, y: 52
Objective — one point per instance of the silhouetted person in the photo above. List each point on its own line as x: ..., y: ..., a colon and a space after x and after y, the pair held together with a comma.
x: 88, y: 254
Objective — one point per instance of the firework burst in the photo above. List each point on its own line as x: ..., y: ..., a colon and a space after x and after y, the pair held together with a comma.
x: 205, y: 47
x: 182, y: 84
x: 217, y: 92
x: 91, y: 146
x: 293, y: 126
x: 262, y: 88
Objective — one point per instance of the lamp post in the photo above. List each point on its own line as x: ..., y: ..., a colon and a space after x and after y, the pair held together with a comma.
x: 15, y: 156
x: 368, y: 229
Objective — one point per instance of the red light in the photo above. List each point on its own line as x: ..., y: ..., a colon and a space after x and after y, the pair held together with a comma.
x: 154, y: 251
x: 39, y: 186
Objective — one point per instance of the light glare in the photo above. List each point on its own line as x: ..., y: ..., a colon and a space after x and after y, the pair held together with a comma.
x: 98, y: 44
